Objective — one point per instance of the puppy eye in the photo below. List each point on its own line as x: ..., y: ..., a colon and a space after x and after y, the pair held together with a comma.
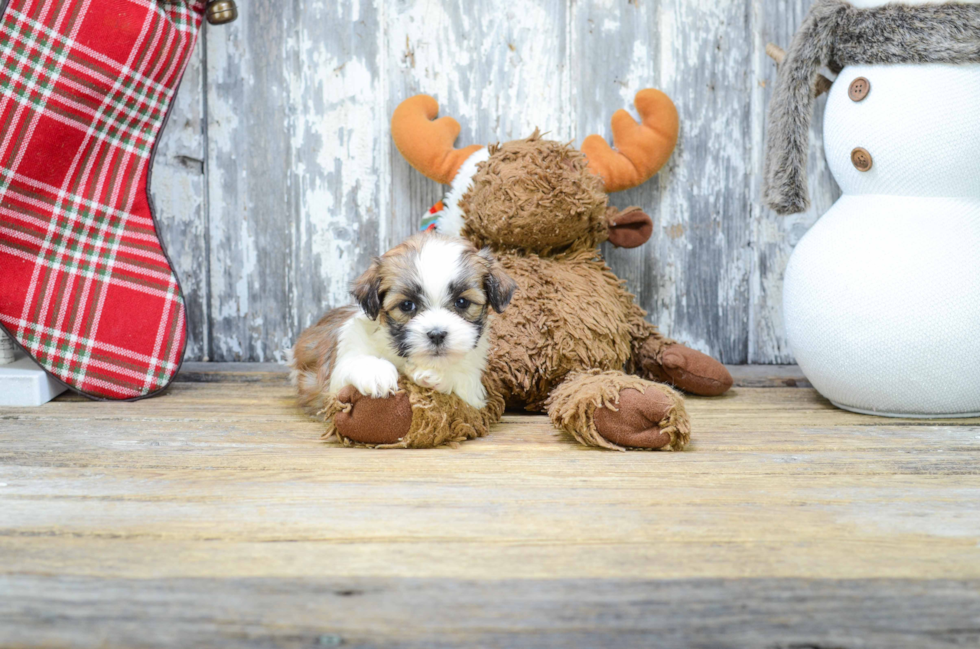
x: 407, y: 306
x: 462, y: 303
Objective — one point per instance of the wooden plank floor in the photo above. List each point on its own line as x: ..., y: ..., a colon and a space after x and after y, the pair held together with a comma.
x: 214, y: 516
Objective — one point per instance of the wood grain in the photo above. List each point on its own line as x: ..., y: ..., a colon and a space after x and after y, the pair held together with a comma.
x: 222, y: 479
x: 213, y: 515
x: 497, y: 66
x: 301, y: 184
x: 251, y: 199
x: 179, y: 193
x: 297, y: 146
x: 443, y: 613
x: 705, y: 256
x: 774, y: 236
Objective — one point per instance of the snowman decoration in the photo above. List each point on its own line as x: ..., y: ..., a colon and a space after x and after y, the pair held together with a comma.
x: 882, y: 296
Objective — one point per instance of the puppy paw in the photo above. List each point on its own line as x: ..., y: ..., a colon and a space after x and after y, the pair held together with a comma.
x: 427, y: 379
x: 374, y: 377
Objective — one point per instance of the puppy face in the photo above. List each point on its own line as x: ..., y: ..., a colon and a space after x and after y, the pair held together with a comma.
x: 433, y: 294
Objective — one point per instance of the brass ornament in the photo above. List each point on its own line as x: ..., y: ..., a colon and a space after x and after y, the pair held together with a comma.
x: 221, y: 12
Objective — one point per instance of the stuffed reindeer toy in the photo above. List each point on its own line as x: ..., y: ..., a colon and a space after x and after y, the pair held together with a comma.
x: 573, y: 343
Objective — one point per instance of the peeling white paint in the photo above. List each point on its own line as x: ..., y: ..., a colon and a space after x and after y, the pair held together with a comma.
x: 293, y: 216
x: 248, y: 266
x: 336, y: 162
x: 498, y: 76
x: 178, y: 191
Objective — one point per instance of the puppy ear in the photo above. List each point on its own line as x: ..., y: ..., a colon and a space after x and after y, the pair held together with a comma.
x: 497, y: 284
x: 365, y: 289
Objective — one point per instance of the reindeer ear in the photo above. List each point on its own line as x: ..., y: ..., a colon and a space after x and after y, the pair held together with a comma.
x: 366, y: 287
x: 630, y: 228
x: 497, y: 284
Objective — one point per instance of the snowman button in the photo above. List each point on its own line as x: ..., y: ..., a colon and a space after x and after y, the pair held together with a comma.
x: 861, y: 159
x: 859, y: 89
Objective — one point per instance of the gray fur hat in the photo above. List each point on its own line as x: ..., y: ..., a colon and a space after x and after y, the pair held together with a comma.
x: 835, y: 34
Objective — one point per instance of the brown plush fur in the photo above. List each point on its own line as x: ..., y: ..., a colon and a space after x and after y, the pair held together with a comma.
x: 573, y: 404
x: 572, y: 328
x: 570, y: 313
x: 537, y: 196
x: 437, y: 419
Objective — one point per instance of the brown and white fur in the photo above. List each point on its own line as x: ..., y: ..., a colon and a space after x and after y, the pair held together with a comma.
x: 423, y: 312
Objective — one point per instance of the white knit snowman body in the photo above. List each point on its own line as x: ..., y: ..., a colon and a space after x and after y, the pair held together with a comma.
x: 882, y: 296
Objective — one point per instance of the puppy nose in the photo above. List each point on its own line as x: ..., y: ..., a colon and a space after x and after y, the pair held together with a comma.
x: 437, y: 337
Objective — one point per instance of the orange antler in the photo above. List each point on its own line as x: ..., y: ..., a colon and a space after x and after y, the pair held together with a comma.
x: 641, y: 149
x: 428, y: 144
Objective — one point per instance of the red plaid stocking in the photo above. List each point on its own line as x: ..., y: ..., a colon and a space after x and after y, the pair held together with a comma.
x: 85, y: 286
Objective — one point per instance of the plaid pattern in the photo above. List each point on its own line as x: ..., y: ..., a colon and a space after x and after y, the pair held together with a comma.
x: 85, y: 286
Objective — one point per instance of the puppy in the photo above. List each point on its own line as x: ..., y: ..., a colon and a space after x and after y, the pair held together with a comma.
x: 423, y: 312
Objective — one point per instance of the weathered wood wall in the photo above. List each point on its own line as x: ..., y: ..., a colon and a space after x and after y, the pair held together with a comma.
x: 276, y: 179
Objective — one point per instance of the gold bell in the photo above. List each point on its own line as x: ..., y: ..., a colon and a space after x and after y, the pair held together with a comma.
x: 221, y: 12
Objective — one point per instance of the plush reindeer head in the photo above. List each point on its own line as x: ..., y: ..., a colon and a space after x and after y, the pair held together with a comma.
x: 534, y: 194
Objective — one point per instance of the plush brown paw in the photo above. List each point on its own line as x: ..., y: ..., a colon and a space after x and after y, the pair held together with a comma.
x: 373, y: 421
x: 694, y: 372
x: 689, y: 370
x: 636, y: 422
